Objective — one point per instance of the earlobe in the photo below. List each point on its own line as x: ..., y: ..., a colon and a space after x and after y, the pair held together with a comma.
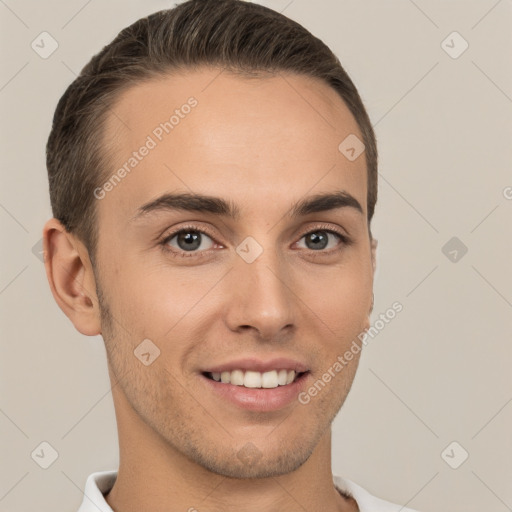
x: 71, y: 278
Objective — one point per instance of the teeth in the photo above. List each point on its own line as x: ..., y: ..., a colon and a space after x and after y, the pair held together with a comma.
x: 269, y: 379
x: 237, y: 378
x: 282, y: 377
x: 250, y: 379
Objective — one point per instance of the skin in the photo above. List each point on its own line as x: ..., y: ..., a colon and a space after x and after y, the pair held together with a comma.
x: 268, y: 143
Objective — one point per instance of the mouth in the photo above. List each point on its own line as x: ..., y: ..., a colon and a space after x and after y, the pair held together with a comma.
x: 256, y: 380
x: 256, y: 384
x: 251, y: 390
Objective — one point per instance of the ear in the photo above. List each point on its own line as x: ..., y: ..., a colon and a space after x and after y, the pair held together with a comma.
x: 69, y: 271
x: 374, y: 243
x: 373, y: 249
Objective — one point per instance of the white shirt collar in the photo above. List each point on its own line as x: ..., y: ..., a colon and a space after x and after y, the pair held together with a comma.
x: 99, y: 483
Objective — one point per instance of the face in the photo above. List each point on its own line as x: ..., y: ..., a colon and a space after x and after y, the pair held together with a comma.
x: 251, y: 287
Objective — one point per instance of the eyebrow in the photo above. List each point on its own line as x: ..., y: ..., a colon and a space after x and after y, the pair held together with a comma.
x: 200, y: 203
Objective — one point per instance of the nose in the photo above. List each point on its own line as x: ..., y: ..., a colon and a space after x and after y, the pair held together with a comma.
x: 261, y: 297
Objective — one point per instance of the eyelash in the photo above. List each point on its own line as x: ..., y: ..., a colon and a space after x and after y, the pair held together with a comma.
x: 344, y: 239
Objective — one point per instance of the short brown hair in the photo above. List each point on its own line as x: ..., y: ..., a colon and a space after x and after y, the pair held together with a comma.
x: 238, y: 36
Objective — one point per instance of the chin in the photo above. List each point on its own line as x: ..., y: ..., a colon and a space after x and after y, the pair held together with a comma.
x: 260, y: 466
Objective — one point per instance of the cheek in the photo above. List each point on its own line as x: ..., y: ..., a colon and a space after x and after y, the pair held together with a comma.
x: 341, y: 297
x: 156, y: 301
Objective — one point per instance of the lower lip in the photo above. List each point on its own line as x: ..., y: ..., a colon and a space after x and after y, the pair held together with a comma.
x: 258, y: 399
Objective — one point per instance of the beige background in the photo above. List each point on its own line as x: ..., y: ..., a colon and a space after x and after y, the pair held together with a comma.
x: 438, y: 373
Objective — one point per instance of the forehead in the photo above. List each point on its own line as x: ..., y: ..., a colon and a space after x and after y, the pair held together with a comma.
x: 209, y: 131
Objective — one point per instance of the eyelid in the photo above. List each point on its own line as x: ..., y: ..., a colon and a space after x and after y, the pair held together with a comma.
x: 169, y: 233
x: 342, y: 233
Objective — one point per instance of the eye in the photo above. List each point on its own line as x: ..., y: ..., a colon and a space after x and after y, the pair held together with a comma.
x: 324, y: 240
x: 188, y: 240
x: 192, y: 241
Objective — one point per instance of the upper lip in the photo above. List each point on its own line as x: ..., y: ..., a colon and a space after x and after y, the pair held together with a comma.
x: 259, y: 365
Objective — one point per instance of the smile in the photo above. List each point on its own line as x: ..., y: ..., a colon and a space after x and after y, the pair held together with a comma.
x: 253, y: 379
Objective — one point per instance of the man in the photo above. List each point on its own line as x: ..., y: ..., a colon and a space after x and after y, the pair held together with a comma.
x: 213, y: 175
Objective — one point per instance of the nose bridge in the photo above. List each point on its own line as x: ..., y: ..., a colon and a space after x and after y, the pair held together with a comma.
x: 262, y: 296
